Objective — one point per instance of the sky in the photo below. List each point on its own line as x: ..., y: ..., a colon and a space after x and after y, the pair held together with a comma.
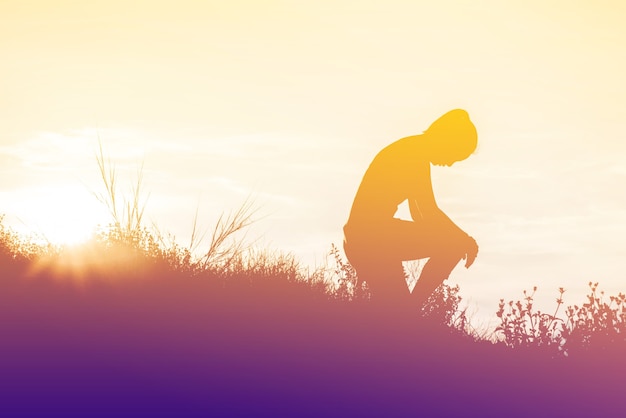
x: 287, y: 102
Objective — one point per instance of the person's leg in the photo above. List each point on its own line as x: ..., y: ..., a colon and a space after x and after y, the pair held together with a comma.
x: 386, y: 280
x: 383, y: 274
x: 377, y: 254
x: 443, y: 259
x: 435, y: 272
x: 408, y: 240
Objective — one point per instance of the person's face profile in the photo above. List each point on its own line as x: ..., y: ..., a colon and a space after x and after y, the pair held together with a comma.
x: 447, y: 153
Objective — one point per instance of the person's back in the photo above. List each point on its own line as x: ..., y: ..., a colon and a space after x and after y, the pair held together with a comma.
x: 388, y: 181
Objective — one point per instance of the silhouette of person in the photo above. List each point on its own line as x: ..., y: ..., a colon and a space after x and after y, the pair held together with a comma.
x: 376, y: 243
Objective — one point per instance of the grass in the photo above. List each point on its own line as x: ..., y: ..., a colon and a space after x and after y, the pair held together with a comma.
x: 137, y: 325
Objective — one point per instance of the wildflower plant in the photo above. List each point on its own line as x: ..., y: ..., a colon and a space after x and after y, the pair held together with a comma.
x: 596, y: 325
x: 442, y: 307
x: 523, y: 326
x: 348, y: 285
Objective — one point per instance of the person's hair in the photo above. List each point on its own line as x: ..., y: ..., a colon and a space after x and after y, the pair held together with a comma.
x: 456, y: 129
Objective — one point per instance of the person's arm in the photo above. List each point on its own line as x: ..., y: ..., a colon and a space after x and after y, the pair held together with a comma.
x: 416, y: 214
x: 422, y: 204
x: 423, y: 208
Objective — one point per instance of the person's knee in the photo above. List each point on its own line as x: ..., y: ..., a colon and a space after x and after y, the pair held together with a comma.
x: 449, y: 249
x: 451, y: 253
x: 448, y: 252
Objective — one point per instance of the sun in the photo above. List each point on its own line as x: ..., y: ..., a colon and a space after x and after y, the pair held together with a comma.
x: 69, y: 231
x: 64, y: 215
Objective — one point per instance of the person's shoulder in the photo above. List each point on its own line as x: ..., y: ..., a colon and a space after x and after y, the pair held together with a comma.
x: 409, y: 146
x: 404, y: 154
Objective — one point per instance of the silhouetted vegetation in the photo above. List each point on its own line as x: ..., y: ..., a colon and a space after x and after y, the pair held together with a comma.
x: 84, y: 330
x: 595, y: 326
x: 135, y: 324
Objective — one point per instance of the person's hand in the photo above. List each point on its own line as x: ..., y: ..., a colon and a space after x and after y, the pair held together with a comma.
x: 472, y: 252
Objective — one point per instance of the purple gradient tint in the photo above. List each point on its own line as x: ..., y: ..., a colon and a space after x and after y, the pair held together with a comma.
x: 169, y: 348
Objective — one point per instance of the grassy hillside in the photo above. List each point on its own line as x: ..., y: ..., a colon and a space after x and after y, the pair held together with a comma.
x: 128, y: 325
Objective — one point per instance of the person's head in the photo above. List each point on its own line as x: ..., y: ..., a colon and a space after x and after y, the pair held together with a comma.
x: 451, y: 138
